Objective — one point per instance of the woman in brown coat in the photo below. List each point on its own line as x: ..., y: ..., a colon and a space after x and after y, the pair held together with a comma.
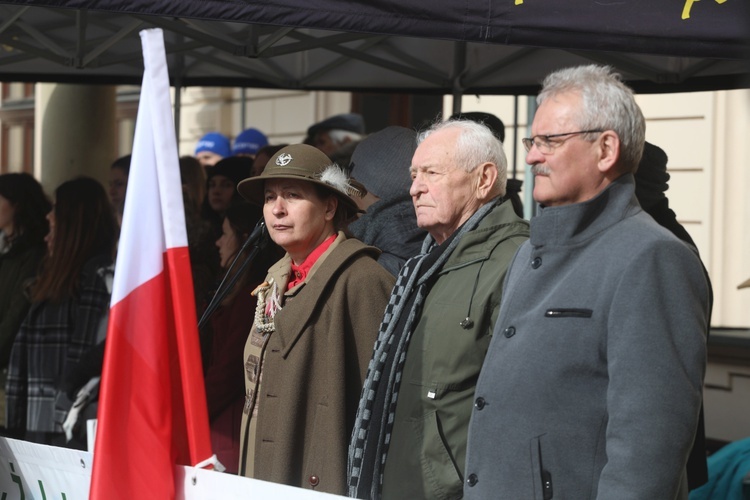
x: 316, y: 322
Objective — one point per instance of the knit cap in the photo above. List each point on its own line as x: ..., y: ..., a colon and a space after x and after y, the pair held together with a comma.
x: 381, y: 161
x: 215, y: 143
x: 249, y: 141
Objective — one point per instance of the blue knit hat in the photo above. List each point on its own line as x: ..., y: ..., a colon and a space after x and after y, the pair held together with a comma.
x: 215, y: 143
x: 249, y: 141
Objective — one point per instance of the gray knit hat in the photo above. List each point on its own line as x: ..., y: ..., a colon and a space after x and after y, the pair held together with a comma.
x: 303, y: 162
x: 381, y: 161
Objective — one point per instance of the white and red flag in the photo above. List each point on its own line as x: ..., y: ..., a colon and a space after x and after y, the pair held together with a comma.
x: 152, y: 405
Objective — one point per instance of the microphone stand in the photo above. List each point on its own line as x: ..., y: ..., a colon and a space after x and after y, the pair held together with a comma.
x: 258, y: 238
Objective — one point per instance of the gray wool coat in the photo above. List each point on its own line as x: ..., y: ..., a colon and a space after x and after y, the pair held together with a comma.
x: 591, y: 387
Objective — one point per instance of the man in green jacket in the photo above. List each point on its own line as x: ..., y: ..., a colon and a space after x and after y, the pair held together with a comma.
x: 409, y: 439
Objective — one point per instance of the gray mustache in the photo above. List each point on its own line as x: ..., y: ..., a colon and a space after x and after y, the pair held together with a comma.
x: 540, y: 170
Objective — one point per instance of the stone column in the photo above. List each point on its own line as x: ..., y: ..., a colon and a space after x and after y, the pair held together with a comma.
x: 75, y: 130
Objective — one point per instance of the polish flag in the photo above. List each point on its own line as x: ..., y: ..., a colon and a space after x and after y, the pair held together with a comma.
x: 152, y: 407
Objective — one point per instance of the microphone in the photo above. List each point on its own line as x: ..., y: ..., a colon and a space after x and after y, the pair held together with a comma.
x: 259, y: 231
x: 258, y: 238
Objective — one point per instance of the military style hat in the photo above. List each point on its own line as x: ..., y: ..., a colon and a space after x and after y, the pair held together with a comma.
x: 307, y: 163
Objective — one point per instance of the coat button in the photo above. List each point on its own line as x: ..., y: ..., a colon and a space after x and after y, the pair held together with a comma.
x: 536, y: 262
x: 314, y: 480
x: 509, y: 332
x: 472, y: 480
x: 479, y: 403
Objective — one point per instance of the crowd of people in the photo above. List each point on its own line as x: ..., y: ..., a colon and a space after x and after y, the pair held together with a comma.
x: 405, y: 333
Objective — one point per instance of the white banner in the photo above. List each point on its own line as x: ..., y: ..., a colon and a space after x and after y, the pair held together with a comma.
x: 30, y: 470
x: 34, y: 471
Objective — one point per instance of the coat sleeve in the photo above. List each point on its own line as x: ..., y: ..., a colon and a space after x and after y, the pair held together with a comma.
x: 368, y: 291
x: 225, y: 371
x: 656, y: 358
x: 89, y: 309
x: 16, y: 387
x: 11, y: 318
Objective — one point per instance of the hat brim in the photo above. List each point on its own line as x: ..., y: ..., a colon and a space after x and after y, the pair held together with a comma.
x: 252, y: 189
x: 744, y: 284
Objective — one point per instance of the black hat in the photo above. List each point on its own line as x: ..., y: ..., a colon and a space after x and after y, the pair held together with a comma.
x: 235, y: 168
x: 491, y: 121
x: 351, y: 122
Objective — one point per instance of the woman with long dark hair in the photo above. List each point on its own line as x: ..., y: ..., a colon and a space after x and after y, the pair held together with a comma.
x: 221, y: 189
x: 69, y: 299
x: 204, y: 260
x: 23, y: 207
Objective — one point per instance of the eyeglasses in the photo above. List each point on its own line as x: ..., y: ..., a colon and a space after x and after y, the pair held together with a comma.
x: 544, y: 143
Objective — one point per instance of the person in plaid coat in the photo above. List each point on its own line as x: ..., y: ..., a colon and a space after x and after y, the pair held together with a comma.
x: 69, y: 299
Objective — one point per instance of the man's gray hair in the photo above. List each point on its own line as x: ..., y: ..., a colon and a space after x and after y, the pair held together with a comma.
x: 475, y: 145
x: 608, y: 104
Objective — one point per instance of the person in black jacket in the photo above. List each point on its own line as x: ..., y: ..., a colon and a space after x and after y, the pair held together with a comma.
x: 651, y: 182
x: 23, y: 207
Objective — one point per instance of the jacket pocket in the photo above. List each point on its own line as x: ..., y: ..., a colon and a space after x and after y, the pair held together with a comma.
x: 442, y: 353
x: 568, y: 313
x: 540, y: 473
x: 317, y: 468
x: 442, y: 479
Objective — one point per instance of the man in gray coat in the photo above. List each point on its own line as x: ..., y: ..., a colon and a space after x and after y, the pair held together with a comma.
x: 591, y: 387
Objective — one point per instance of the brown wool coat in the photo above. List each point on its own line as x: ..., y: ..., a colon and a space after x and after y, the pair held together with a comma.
x: 314, y: 367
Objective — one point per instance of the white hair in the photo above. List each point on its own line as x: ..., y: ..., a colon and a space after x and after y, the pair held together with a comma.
x: 475, y: 145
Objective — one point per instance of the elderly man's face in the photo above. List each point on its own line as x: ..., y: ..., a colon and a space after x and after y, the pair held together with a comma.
x: 569, y: 172
x: 444, y: 194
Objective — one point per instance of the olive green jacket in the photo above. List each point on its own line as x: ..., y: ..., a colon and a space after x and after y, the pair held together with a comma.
x: 314, y: 367
x: 428, y: 445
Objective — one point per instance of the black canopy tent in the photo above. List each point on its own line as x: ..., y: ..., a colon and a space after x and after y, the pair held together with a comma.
x: 441, y: 46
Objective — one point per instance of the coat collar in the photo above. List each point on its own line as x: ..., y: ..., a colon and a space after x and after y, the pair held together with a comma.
x: 570, y: 225
x: 498, y: 225
x: 295, y: 315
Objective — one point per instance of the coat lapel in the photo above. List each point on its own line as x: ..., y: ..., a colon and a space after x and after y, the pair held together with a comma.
x: 290, y: 326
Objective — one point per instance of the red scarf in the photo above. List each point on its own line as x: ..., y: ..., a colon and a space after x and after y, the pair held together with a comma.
x: 299, y: 273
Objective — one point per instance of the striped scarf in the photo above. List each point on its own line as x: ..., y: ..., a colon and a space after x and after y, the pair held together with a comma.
x: 370, y: 438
